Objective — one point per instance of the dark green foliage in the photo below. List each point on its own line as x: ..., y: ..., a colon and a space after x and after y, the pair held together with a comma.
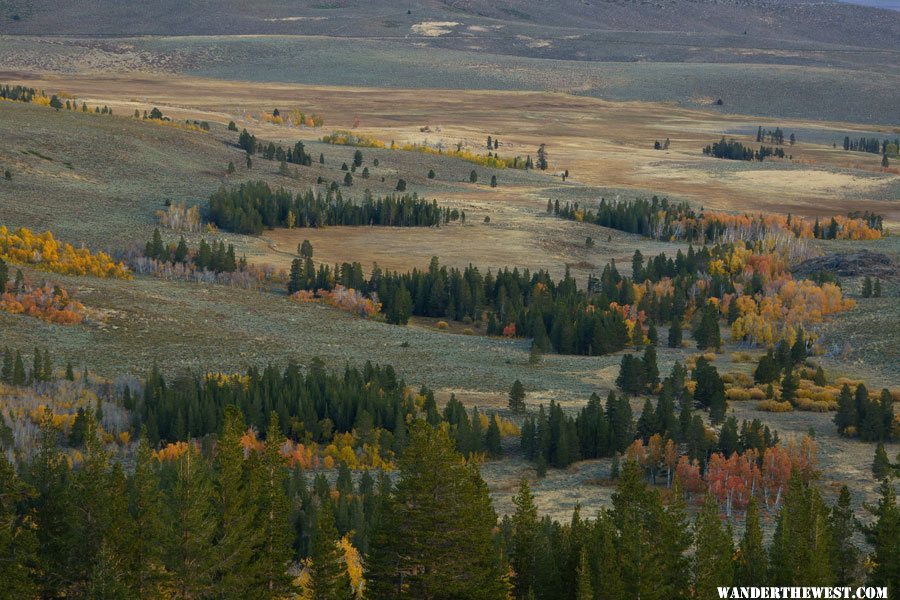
x: 517, y: 397
x: 767, y: 370
x: 710, y: 390
x: 674, y: 338
x: 706, y: 331
x: 254, y: 206
x: 554, y: 314
x: 789, y: 386
x: 751, y: 566
x: 803, y: 546
x: 883, y: 535
x: 733, y: 150
x: 328, y: 577
x: 846, y: 556
x: 713, y: 563
x: 881, y: 464
x: 215, y: 257
x: 436, y: 540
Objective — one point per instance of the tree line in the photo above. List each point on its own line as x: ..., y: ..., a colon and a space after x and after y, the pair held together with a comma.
x: 553, y: 438
x: 213, y: 257
x: 872, y: 145
x: 253, y: 206
x: 269, y: 151
x: 229, y: 520
x: 734, y: 150
x: 555, y: 315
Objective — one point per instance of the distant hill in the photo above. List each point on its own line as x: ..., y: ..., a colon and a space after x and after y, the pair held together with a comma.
x: 514, y: 26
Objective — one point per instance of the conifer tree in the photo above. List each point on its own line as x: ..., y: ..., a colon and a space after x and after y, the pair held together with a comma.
x: 445, y: 545
x: 846, y: 557
x: 329, y: 579
x: 18, y: 544
x: 147, y: 527
x: 584, y: 590
x: 881, y: 464
x: 883, y: 535
x: 236, y: 507
x: 751, y: 567
x: 517, y: 397
x: 523, y: 548
x: 273, y: 555
x: 651, y: 370
x: 674, y: 339
x: 801, y: 550
x: 713, y: 564
x: 18, y: 373
x: 789, y: 387
x: 191, y: 559
x: 6, y: 374
x: 846, y: 415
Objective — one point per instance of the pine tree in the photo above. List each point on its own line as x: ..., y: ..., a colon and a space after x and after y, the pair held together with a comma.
x: 651, y: 370
x: 751, y: 567
x: 445, y: 545
x: 329, y: 579
x: 846, y: 415
x: 876, y: 289
x: 523, y: 544
x: 36, y: 371
x: 191, y: 559
x: 674, y: 339
x: 18, y: 373
x: 6, y: 375
x: 883, y: 535
x: 846, y: 558
x: 802, y: 547
x: 517, y: 397
x: 584, y: 591
x: 273, y: 555
x: 236, y: 506
x: 147, y: 527
x: 18, y: 544
x: 710, y: 390
x: 867, y: 287
x: 46, y: 367
x: 789, y: 387
x: 492, y: 438
x: 713, y: 564
x: 881, y: 465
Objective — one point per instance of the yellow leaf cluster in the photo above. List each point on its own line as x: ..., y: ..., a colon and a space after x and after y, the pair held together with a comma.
x: 46, y: 253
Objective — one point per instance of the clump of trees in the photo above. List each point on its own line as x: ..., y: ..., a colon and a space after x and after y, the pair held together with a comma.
x: 253, y: 206
x: 734, y: 150
x: 213, y: 257
x: 512, y: 302
x: 269, y: 151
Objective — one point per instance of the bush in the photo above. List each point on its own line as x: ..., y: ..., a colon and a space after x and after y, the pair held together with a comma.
x: 775, y: 406
x: 443, y: 325
x: 737, y: 394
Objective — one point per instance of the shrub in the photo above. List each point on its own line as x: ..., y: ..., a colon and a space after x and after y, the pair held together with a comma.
x: 775, y: 406
x: 443, y: 325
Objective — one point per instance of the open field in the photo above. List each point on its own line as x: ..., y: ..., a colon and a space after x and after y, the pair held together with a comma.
x: 766, y: 78
x: 602, y: 144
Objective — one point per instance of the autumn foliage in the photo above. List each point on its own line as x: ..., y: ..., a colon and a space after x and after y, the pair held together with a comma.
x: 49, y: 303
x: 48, y: 254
